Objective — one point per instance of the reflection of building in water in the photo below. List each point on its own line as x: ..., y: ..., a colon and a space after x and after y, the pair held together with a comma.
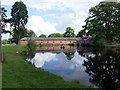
x: 84, y: 40
x: 56, y: 48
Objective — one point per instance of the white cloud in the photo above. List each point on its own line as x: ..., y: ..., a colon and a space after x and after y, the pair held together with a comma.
x: 39, y: 25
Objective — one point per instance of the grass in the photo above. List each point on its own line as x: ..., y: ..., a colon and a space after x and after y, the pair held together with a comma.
x: 17, y: 73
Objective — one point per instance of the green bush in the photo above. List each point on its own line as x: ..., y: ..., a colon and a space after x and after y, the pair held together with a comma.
x: 30, y: 49
x: 99, y: 41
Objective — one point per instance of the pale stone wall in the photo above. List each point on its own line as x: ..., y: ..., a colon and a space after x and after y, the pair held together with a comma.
x: 24, y: 42
x: 84, y: 40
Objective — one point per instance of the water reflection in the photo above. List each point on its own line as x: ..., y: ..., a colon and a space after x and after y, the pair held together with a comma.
x: 69, y: 55
x: 104, y: 69
x: 67, y: 64
x: 91, y: 66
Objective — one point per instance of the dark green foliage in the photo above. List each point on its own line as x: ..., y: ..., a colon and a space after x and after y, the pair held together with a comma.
x: 4, y: 41
x: 42, y: 36
x: 19, y: 15
x: 18, y: 34
x: 30, y: 49
x: 30, y: 33
x: 69, y: 32
x: 81, y: 33
x: 55, y: 35
x: 99, y: 40
x: 105, y: 19
x: 4, y: 21
x: 104, y: 69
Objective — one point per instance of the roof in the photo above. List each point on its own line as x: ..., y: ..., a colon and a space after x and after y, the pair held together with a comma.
x: 26, y: 38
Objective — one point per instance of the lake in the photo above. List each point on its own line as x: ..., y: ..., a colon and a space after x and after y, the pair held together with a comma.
x: 90, y: 66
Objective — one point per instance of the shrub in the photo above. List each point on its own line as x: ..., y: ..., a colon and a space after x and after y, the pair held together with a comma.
x: 30, y: 49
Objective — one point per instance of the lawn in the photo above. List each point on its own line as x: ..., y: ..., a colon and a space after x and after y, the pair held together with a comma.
x: 17, y: 73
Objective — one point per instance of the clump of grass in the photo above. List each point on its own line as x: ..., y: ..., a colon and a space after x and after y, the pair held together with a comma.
x: 75, y: 81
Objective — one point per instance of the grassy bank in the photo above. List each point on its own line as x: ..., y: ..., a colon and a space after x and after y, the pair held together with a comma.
x: 17, y: 73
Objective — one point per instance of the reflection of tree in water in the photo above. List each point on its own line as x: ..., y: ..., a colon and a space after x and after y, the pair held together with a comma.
x: 69, y: 55
x: 105, y: 70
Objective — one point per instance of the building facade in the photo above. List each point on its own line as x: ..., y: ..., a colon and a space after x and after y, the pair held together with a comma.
x: 53, y: 41
x: 63, y: 41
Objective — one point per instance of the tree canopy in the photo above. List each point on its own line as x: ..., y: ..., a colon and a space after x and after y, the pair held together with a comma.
x: 104, y: 21
x: 55, y: 35
x: 30, y: 33
x: 42, y: 36
x: 19, y: 15
x: 81, y: 33
x: 69, y: 32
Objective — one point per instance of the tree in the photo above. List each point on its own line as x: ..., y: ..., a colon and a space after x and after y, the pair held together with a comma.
x: 69, y: 32
x: 81, y: 33
x: 18, y: 34
x: 30, y: 49
x: 104, y: 20
x: 55, y: 35
x: 3, y: 22
x: 30, y: 33
x: 19, y: 15
x: 42, y: 36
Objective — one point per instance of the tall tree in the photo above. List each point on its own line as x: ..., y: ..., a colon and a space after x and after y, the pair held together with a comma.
x: 19, y: 15
x: 69, y: 32
x: 104, y: 20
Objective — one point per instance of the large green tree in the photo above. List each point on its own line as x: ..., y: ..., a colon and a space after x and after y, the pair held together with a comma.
x: 69, y: 32
x: 55, y: 35
x: 104, y: 21
x: 19, y: 15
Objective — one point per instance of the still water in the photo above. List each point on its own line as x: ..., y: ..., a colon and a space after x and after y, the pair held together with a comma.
x: 91, y: 66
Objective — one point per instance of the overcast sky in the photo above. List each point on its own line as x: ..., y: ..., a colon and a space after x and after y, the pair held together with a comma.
x: 53, y: 16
